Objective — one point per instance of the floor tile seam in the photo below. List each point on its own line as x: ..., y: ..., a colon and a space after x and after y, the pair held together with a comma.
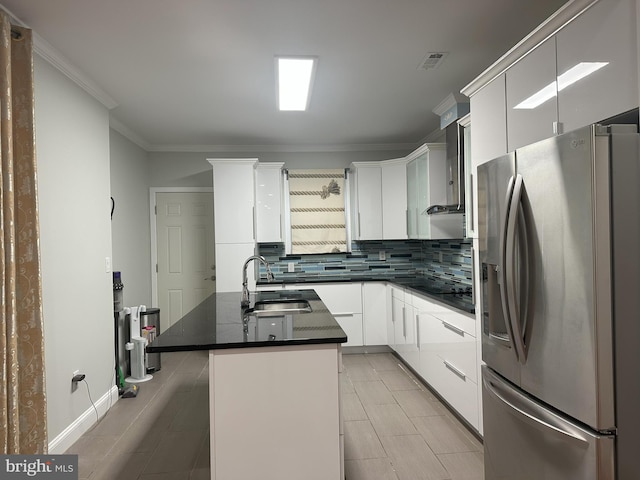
x: 450, y: 477
x: 431, y: 447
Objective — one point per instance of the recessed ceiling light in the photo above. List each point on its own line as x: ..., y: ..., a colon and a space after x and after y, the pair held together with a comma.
x: 295, y: 77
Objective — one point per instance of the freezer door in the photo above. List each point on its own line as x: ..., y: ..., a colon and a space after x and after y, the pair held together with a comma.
x: 524, y: 440
x: 495, y: 186
x: 567, y: 320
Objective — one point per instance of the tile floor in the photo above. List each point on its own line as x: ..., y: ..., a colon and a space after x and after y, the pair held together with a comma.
x: 395, y: 428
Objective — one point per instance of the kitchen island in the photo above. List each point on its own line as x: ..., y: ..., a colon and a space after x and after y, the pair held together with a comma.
x: 274, y: 389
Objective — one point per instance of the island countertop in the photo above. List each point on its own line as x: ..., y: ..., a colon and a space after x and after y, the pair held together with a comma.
x: 217, y: 323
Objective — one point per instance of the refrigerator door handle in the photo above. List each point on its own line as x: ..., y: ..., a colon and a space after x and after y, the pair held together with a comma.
x: 515, y: 219
x: 530, y: 412
x: 500, y: 270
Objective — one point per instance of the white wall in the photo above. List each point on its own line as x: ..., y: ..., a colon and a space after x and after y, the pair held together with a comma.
x: 130, y: 224
x: 72, y: 140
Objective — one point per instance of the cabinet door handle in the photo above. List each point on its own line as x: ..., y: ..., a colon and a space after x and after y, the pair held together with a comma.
x: 342, y: 314
x: 359, y: 229
x: 404, y: 322
x: 253, y: 224
x: 418, y: 331
x: 455, y: 370
x: 457, y: 330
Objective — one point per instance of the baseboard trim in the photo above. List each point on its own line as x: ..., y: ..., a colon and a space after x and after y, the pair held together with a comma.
x: 83, y: 423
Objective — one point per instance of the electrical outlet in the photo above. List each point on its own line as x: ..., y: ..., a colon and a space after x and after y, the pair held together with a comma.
x: 107, y: 264
x: 291, y: 267
x: 74, y: 384
x: 382, y: 255
x: 440, y: 255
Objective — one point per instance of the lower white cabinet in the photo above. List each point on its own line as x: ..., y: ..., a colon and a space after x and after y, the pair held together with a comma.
x: 448, y: 361
x: 344, y: 301
x: 374, y: 313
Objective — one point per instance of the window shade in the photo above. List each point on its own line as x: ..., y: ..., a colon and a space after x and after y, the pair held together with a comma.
x: 316, y: 203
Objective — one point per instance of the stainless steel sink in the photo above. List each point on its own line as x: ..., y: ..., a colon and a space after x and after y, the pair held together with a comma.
x: 280, y: 307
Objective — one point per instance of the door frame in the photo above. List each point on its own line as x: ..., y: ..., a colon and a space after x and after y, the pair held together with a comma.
x: 153, y: 191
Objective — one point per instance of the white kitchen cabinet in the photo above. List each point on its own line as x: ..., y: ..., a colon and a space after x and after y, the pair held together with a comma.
x: 230, y: 258
x: 404, y: 326
x: 269, y: 202
x: 394, y: 199
x: 234, y: 220
x: 489, y: 111
x: 366, y: 200
x: 469, y: 175
x: 426, y: 186
x: 344, y: 301
x: 531, y: 97
x: 447, y: 348
x: 374, y: 313
x: 606, y: 32
x: 234, y: 200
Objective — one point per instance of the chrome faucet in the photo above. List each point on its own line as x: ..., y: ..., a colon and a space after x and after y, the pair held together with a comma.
x: 245, y: 290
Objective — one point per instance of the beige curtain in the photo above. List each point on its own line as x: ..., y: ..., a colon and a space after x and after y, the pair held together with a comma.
x: 22, y: 381
x: 316, y: 203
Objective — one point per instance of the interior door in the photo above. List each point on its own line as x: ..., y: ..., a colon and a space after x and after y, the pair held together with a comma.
x: 186, y: 261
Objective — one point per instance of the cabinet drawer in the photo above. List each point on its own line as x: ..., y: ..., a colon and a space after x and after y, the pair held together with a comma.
x: 352, y: 326
x: 449, y: 343
x: 340, y: 298
x: 455, y: 320
x: 460, y: 392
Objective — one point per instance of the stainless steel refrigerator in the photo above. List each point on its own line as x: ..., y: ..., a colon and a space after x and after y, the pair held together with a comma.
x: 559, y: 232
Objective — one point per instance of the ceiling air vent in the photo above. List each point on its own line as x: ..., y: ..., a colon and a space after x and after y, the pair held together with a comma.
x: 432, y: 60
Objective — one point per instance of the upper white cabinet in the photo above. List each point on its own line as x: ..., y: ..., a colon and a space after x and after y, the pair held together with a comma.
x: 234, y: 200
x: 394, y: 199
x: 531, y: 101
x: 426, y: 186
x: 366, y: 201
x: 489, y: 112
x: 469, y: 175
x: 603, y: 35
x: 269, y: 202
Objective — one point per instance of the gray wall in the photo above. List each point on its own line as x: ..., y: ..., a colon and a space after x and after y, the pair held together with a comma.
x: 72, y: 142
x: 130, y: 223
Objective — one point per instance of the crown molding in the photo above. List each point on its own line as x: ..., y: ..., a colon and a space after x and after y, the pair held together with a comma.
x: 48, y: 53
x: 126, y: 132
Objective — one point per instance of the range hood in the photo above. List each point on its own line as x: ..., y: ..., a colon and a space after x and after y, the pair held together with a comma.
x: 452, y: 108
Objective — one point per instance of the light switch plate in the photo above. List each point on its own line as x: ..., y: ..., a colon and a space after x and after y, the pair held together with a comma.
x: 382, y: 255
x: 291, y: 267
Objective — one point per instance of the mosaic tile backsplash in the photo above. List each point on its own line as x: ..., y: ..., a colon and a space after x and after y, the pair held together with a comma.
x: 446, y: 261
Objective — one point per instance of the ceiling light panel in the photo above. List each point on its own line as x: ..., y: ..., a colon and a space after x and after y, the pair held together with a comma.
x: 295, y: 78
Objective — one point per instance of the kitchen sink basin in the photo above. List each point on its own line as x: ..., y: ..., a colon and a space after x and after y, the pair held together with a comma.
x: 280, y: 307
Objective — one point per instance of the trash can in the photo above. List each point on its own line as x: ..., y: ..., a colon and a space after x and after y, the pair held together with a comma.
x: 150, y: 328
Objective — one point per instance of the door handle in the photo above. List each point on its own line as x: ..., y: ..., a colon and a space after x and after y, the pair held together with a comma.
x: 453, y: 328
x: 515, y: 219
x: 212, y: 278
x: 503, y: 262
x: 455, y: 370
x: 528, y: 411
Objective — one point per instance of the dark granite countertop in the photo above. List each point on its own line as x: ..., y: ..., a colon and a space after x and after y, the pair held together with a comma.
x: 454, y: 296
x: 217, y: 323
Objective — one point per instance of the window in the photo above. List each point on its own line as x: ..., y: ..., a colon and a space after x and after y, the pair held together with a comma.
x: 317, y: 211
